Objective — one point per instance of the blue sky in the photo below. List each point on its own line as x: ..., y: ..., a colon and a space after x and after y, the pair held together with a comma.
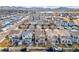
x: 40, y: 3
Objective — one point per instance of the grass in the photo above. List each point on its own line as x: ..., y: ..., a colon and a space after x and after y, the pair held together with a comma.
x: 75, y: 45
x: 5, y: 43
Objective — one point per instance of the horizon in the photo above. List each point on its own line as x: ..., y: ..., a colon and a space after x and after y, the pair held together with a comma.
x: 52, y: 7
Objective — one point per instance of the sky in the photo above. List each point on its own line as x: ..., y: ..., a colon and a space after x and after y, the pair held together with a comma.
x: 39, y: 3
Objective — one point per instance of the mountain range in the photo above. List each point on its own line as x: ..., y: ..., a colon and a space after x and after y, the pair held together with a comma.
x: 32, y: 8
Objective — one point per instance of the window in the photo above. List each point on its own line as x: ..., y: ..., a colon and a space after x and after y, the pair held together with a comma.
x: 36, y: 40
x: 68, y: 42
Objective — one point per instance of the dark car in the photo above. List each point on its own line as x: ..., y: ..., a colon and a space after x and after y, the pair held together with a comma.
x: 5, y: 50
x: 76, y: 50
x: 50, y: 49
x: 23, y: 50
x: 54, y: 49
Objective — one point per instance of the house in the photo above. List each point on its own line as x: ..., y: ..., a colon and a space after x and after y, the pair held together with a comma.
x: 14, y: 36
x: 67, y: 23
x: 52, y: 36
x: 46, y: 26
x: 75, y: 27
x: 27, y: 35
x: 38, y: 27
x: 71, y: 23
x: 75, y: 36
x: 1, y: 25
x: 31, y: 27
x: 65, y: 36
x: 64, y: 23
x: 39, y: 36
x: 76, y: 22
x: 21, y: 36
